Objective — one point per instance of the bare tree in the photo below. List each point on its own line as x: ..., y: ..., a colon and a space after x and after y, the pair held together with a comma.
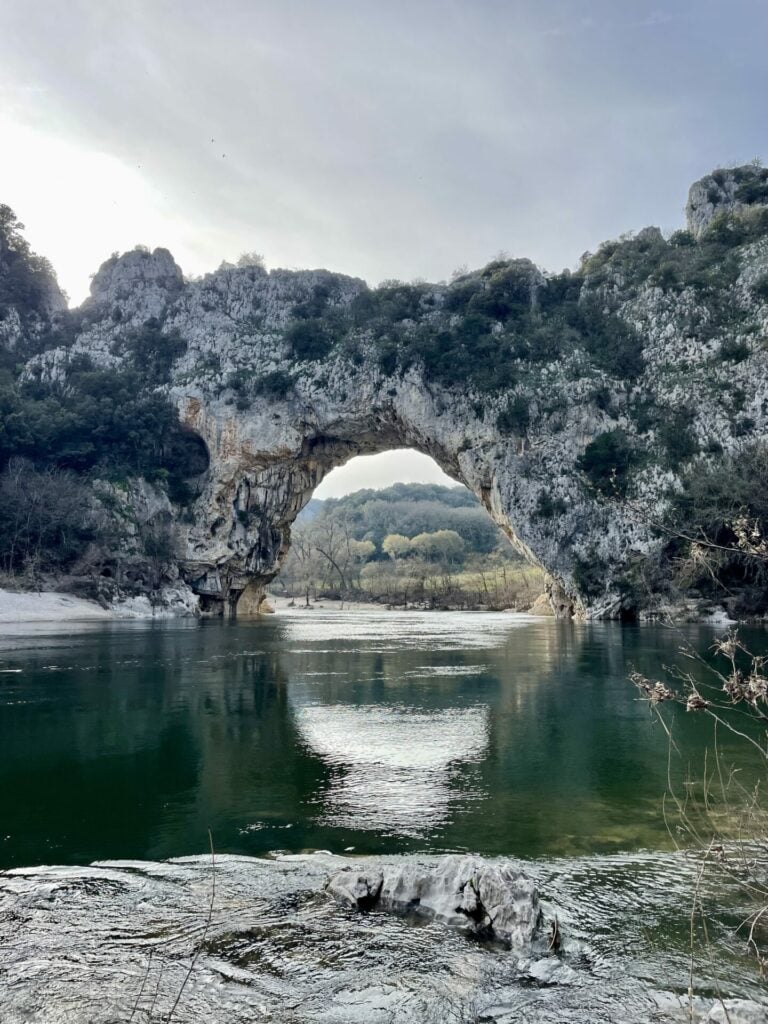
x: 47, y: 518
x: 299, y: 571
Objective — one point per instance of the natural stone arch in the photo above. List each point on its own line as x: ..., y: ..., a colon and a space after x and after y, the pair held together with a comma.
x: 264, y: 472
x: 507, y: 377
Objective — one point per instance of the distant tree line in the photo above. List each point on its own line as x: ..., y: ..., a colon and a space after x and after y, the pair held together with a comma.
x: 393, y: 546
x: 411, y: 509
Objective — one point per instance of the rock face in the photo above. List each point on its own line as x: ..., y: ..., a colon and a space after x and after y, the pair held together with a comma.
x: 491, y: 900
x: 724, y: 191
x: 505, y: 377
x: 139, y: 284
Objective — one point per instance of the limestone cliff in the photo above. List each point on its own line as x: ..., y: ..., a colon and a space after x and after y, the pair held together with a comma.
x: 505, y: 376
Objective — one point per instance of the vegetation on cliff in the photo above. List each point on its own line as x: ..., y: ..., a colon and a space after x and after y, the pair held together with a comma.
x: 27, y: 280
x: 58, y: 435
x: 509, y: 330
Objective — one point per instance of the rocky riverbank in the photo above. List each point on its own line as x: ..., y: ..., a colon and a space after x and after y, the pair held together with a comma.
x: 240, y: 939
x: 52, y: 606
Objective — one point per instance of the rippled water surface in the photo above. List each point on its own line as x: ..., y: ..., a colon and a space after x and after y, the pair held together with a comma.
x: 376, y: 732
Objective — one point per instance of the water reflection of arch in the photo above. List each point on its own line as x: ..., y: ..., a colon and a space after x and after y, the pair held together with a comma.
x: 392, y: 769
x: 395, y: 729
x: 529, y: 738
x: 574, y: 760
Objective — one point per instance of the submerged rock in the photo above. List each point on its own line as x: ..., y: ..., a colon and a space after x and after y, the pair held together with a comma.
x: 546, y: 971
x: 491, y: 900
x: 707, y: 1011
x: 357, y: 889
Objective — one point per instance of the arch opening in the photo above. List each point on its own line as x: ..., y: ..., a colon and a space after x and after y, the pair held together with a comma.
x: 394, y: 529
x: 264, y: 470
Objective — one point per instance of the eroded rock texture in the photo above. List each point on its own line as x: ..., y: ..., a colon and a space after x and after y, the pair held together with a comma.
x: 489, y: 900
x: 504, y: 377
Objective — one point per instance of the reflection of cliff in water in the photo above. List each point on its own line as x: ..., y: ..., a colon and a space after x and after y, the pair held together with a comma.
x: 569, y: 760
x: 141, y: 737
x: 470, y: 746
x: 378, y: 731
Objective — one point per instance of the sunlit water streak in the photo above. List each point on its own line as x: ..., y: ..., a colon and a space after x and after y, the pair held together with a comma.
x: 393, y: 768
x: 379, y: 731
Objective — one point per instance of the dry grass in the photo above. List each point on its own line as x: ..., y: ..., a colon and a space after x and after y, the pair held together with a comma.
x: 499, y: 587
x: 721, y: 813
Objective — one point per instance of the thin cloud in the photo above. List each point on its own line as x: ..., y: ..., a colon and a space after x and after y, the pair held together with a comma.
x: 654, y: 20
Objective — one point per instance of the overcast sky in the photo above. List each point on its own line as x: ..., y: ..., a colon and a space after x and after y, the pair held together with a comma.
x: 381, y: 139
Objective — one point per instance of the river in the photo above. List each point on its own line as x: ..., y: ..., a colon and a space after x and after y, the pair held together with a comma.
x: 357, y: 733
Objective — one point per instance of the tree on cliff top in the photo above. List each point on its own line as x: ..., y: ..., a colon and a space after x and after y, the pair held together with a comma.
x: 26, y: 279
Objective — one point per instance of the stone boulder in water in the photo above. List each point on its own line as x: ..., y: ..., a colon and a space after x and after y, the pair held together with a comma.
x: 358, y: 889
x: 490, y: 899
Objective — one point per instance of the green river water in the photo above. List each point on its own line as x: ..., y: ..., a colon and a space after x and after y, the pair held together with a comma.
x: 365, y: 732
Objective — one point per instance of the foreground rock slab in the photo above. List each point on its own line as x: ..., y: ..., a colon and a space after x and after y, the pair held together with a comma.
x: 491, y: 900
x: 144, y: 942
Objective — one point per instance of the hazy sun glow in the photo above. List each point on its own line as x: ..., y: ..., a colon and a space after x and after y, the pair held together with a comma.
x: 78, y: 205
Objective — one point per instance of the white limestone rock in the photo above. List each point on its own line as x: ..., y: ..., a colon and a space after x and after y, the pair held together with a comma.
x: 356, y: 889
x: 719, y: 192
x: 489, y: 898
x: 548, y: 971
x: 700, y: 1010
x: 140, y: 283
x: 170, y: 602
x: 737, y: 1011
